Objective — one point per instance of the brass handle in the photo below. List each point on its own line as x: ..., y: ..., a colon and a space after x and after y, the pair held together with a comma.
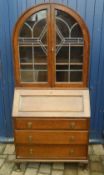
x: 30, y: 139
x: 31, y: 151
x: 71, y: 151
x: 29, y: 124
x: 72, y: 138
x: 72, y: 125
x: 52, y: 49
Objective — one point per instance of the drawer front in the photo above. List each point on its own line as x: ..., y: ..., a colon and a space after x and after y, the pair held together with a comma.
x: 51, y: 137
x: 39, y: 123
x: 52, y: 152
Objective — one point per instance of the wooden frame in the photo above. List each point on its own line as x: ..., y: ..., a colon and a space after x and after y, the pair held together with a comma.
x: 51, y: 44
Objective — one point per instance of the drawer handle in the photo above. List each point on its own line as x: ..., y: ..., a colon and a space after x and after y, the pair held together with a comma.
x: 71, y: 151
x: 72, y: 138
x: 30, y: 139
x: 29, y: 124
x: 72, y: 125
x: 31, y: 151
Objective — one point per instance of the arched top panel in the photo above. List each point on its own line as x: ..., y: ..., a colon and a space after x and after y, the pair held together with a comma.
x: 42, y: 37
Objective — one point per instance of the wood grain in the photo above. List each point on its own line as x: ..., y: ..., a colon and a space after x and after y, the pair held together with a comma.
x: 51, y: 123
x: 50, y: 137
x: 52, y: 152
x: 51, y: 103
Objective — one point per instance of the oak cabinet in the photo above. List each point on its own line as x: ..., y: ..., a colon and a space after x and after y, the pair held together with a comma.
x: 51, y: 107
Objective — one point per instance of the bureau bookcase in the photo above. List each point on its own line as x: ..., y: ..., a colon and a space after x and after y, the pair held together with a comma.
x: 51, y: 106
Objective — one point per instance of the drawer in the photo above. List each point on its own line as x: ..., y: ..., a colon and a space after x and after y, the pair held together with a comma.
x: 51, y: 137
x: 51, y: 123
x: 52, y: 152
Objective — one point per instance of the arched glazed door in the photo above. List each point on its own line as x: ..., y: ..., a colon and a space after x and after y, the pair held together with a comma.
x: 51, y: 48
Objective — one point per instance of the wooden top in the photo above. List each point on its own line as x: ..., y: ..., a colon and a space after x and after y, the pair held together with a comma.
x: 51, y: 103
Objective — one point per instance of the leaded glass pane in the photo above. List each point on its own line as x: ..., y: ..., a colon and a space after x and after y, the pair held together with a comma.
x: 33, y: 48
x: 69, y: 48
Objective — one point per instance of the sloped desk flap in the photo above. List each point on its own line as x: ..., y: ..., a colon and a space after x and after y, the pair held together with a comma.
x: 51, y: 103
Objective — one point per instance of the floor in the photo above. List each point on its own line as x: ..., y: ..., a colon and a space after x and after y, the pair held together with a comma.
x: 8, y: 167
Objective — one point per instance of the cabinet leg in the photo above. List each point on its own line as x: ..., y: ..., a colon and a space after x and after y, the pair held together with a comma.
x: 18, y: 166
x: 83, y: 166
